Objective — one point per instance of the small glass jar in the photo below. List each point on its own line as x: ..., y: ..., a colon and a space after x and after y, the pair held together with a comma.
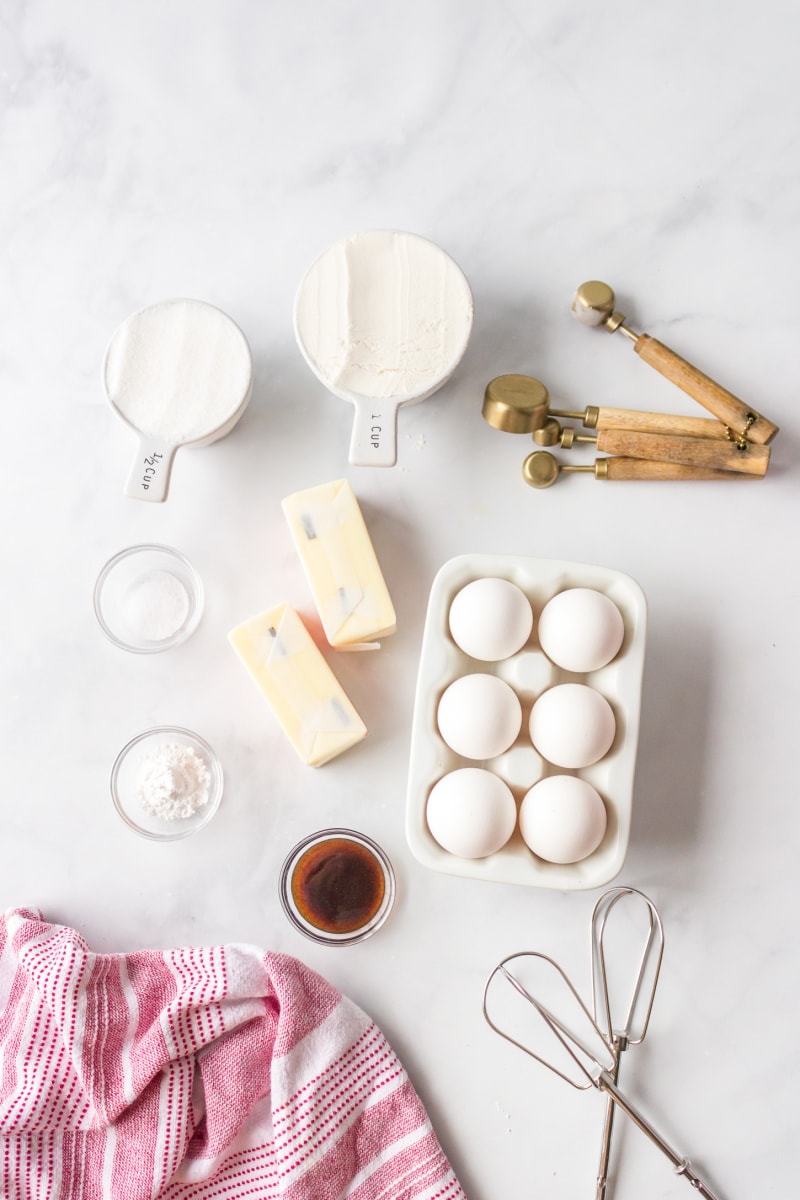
x: 126, y: 774
x: 148, y: 598
x: 337, y: 887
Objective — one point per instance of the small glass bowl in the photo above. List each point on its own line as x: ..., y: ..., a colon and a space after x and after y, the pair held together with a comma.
x: 125, y: 775
x: 337, y: 887
x: 127, y: 593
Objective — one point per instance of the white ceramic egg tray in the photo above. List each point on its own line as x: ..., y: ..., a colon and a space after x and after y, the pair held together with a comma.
x: 530, y: 673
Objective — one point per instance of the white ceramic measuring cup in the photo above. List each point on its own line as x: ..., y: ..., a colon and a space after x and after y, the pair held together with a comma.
x: 179, y: 373
x: 382, y: 318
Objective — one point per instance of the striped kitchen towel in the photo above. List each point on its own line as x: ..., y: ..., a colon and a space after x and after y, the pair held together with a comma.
x: 213, y: 1073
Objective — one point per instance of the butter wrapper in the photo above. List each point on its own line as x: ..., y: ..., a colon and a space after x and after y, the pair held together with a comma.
x: 341, y: 566
x: 292, y: 675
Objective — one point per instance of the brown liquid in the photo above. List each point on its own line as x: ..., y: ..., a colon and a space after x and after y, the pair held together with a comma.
x: 338, y: 885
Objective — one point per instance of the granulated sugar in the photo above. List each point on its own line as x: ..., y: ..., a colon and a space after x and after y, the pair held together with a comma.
x: 178, y: 371
x: 155, y: 606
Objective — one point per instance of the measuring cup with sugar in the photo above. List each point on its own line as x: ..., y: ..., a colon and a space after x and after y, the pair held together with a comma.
x: 383, y: 319
x: 179, y: 373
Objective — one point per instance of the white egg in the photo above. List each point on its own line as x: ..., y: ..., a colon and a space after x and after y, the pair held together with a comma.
x: 479, y: 716
x: 581, y: 630
x: 572, y: 725
x: 562, y: 819
x: 490, y: 619
x: 471, y: 812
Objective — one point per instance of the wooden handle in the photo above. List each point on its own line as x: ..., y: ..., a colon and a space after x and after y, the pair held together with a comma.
x: 638, y: 468
x: 649, y: 422
x: 723, y: 404
x: 697, y: 452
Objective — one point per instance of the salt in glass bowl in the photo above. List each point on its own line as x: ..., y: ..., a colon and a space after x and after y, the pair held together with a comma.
x: 337, y: 887
x: 125, y: 775
x: 148, y: 598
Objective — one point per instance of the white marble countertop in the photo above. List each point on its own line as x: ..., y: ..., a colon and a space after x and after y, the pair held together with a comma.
x: 213, y: 150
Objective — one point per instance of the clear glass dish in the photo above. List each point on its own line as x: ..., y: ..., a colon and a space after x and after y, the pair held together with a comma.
x: 337, y: 887
x: 126, y: 775
x: 148, y: 598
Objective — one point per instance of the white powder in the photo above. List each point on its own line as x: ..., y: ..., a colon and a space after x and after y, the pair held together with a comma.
x: 155, y: 606
x: 173, y: 782
x: 178, y: 371
x: 384, y: 315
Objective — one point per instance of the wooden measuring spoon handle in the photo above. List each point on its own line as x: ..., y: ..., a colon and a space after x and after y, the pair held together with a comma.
x: 150, y: 471
x: 722, y: 403
x: 697, y: 452
x: 649, y: 422
x: 637, y: 468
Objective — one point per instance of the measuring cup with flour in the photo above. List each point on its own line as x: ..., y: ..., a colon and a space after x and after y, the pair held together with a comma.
x: 382, y: 319
x: 179, y: 373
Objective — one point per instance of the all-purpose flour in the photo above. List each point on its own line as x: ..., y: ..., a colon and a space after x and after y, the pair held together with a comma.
x: 384, y: 314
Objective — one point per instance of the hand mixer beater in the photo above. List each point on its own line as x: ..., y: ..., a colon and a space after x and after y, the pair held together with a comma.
x: 638, y: 1002
x: 531, y: 1002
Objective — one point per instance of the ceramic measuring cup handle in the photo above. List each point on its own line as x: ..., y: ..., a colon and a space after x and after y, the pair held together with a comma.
x: 150, y: 470
x: 374, y: 439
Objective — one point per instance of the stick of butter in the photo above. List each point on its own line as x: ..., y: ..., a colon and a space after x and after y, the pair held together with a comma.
x: 340, y: 564
x: 297, y: 683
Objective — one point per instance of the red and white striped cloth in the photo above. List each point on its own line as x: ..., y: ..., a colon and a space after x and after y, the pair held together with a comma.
x: 218, y: 1073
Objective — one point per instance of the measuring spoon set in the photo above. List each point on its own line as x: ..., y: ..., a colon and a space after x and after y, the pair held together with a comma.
x: 732, y: 444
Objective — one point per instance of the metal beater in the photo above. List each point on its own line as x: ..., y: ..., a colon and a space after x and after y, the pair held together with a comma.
x: 586, y: 1056
x: 631, y: 1030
